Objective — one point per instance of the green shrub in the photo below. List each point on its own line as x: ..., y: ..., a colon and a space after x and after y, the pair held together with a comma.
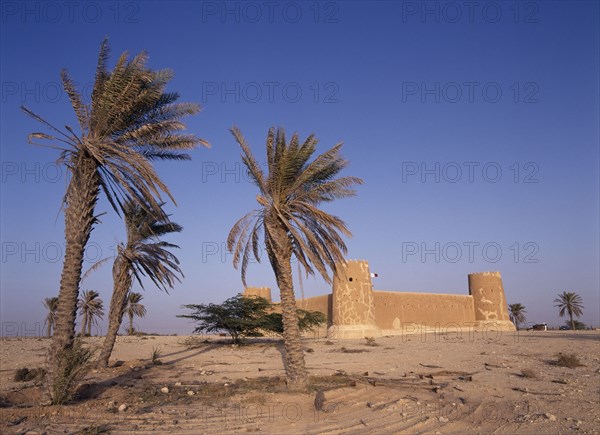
x: 155, y: 355
x: 74, y: 365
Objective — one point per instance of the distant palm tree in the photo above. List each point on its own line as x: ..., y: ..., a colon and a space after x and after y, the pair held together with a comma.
x: 51, y: 305
x: 571, y: 304
x: 517, y: 314
x: 130, y: 121
x: 134, y: 308
x: 91, y: 307
x: 144, y: 255
x: 293, y: 225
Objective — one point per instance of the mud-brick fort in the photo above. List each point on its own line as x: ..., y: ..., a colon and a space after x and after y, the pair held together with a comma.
x: 355, y: 310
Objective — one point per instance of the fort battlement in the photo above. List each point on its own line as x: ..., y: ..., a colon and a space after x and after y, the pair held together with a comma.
x: 262, y: 292
x: 355, y: 310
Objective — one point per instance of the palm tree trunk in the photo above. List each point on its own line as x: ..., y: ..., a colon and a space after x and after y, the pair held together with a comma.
x: 122, y: 284
x: 297, y: 376
x: 49, y: 328
x: 81, y: 198
x: 572, y: 322
x: 280, y: 258
x: 130, y: 324
x: 84, y: 322
x: 89, y: 328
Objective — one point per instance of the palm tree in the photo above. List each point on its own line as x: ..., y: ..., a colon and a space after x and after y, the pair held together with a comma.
x: 91, y: 306
x: 517, y: 314
x: 129, y: 122
x: 134, y: 308
x: 144, y: 255
x: 571, y: 303
x: 51, y: 305
x: 293, y: 225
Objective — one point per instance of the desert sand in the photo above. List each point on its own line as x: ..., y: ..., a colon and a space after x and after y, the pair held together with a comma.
x: 432, y: 383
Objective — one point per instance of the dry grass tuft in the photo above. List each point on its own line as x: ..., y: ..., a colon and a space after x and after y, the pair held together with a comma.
x: 25, y: 375
x: 346, y: 350
x: 569, y: 360
x: 194, y: 342
x: 528, y: 373
x: 370, y: 341
x: 94, y: 430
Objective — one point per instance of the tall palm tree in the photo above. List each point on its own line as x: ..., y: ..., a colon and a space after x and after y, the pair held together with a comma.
x: 129, y: 122
x: 144, y: 255
x: 517, y: 314
x: 51, y: 305
x: 293, y: 225
x: 570, y: 303
x: 134, y: 308
x: 91, y: 307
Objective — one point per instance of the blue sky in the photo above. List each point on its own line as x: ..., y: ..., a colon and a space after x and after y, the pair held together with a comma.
x: 476, y: 132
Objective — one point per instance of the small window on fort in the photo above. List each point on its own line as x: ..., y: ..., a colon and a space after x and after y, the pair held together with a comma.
x: 350, y: 279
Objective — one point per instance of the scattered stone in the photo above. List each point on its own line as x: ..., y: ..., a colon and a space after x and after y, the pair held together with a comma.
x: 550, y: 417
x: 164, y: 390
x: 178, y: 384
x: 190, y: 393
x: 123, y: 408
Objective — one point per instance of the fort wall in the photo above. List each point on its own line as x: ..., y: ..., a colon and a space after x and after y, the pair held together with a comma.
x: 355, y: 310
x: 397, y: 310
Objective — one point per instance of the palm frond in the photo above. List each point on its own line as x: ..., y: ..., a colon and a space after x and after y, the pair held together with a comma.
x: 289, y: 196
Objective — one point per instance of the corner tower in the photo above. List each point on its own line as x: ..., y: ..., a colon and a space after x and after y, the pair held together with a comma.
x: 261, y: 292
x: 353, y: 311
x: 489, y: 301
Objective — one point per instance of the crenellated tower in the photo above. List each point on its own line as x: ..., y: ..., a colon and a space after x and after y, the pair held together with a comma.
x: 489, y: 301
x: 353, y: 311
x: 262, y: 292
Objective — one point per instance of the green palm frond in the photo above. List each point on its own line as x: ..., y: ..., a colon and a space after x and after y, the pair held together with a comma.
x: 134, y: 306
x: 569, y: 303
x: 147, y: 255
x: 517, y: 313
x: 289, y: 196
x: 130, y: 121
x: 91, y: 306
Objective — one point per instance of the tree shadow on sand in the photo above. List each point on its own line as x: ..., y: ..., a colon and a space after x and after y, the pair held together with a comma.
x: 94, y: 390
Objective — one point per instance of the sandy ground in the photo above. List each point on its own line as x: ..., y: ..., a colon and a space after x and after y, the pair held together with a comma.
x: 470, y: 383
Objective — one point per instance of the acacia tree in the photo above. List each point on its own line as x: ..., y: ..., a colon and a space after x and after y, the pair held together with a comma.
x: 569, y: 303
x: 240, y: 316
x: 517, y: 314
x: 51, y: 305
x: 143, y: 256
x: 130, y: 121
x: 91, y: 307
x: 134, y: 308
x: 293, y: 225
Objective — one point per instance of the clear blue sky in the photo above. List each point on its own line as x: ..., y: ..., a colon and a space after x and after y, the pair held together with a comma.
x: 476, y: 132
